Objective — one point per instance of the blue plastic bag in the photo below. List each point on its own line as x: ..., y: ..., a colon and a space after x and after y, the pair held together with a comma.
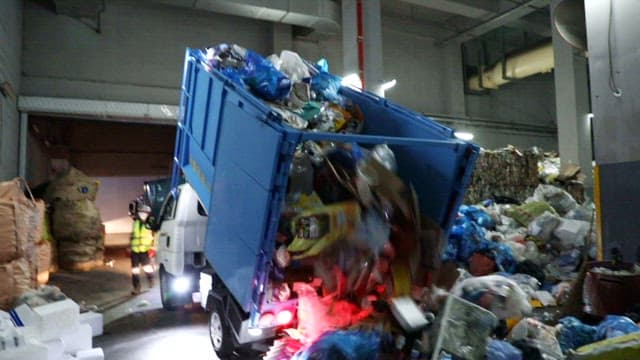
x: 478, y: 216
x: 502, y: 350
x: 467, y: 236
x: 614, y: 326
x: 343, y: 344
x: 574, y: 334
x: 327, y: 86
x: 501, y: 254
x: 263, y: 78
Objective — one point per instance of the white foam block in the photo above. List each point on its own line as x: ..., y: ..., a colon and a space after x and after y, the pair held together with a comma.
x: 92, y: 354
x: 57, y: 317
x: 26, y: 315
x: 55, y: 349
x: 30, y: 351
x: 408, y: 314
x: 93, y: 319
x: 77, y: 339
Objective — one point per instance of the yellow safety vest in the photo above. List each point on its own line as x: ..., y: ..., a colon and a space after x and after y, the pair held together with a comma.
x: 141, y: 238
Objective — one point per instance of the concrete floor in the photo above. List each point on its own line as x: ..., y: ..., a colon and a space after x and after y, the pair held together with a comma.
x: 136, y: 327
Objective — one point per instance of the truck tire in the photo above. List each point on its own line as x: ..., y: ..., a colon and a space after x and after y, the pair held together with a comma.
x: 170, y: 300
x: 220, y: 333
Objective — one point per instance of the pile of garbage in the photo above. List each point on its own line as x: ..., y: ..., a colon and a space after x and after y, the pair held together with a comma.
x: 359, y: 259
x: 504, y: 173
x: 516, y: 265
x: 75, y: 221
x: 49, y: 326
x: 510, y: 174
x: 305, y: 95
x: 569, y: 177
x: 23, y: 253
x: 353, y: 226
x: 545, y: 235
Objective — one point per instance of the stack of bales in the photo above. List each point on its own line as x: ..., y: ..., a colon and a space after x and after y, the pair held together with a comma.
x: 505, y: 172
x: 21, y: 221
x: 75, y: 222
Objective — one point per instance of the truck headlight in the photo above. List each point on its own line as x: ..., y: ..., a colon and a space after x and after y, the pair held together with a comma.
x: 181, y: 284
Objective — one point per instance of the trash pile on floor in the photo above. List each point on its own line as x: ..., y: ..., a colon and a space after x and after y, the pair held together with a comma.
x: 49, y: 326
x: 363, y: 265
x: 511, y: 174
x: 517, y: 264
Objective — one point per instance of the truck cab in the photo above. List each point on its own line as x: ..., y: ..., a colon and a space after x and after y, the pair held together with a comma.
x: 180, y: 246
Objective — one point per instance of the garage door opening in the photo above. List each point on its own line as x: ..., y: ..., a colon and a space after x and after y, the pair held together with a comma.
x: 120, y: 155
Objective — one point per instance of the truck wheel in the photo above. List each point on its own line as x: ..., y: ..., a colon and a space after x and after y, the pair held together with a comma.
x: 170, y: 301
x: 219, y: 331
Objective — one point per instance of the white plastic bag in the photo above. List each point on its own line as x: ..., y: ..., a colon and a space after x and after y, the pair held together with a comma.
x: 543, y: 226
x: 496, y: 293
x: 292, y: 65
x: 560, y: 200
x: 571, y: 233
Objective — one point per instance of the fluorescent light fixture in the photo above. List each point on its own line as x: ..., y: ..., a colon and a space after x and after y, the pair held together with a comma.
x: 388, y: 85
x: 463, y: 135
x: 352, y: 80
x: 181, y: 284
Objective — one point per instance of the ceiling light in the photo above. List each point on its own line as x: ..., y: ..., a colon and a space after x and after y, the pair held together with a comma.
x: 463, y: 135
x: 388, y: 85
x: 352, y: 80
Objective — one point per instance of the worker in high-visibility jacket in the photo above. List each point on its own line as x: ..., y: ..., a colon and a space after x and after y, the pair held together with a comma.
x: 142, y: 248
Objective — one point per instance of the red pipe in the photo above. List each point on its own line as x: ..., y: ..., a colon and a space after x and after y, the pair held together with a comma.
x: 360, y: 41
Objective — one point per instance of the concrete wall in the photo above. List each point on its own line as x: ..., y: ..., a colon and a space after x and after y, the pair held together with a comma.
x: 528, y: 101
x: 138, y: 55
x: 10, y: 54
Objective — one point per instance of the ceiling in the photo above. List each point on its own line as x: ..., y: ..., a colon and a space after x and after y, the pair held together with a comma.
x: 450, y: 20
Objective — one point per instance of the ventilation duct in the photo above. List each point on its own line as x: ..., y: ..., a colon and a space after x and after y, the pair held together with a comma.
x: 569, y: 20
x: 537, y: 60
x: 323, y: 16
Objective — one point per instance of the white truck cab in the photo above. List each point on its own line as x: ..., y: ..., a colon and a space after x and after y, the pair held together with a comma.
x: 180, y: 246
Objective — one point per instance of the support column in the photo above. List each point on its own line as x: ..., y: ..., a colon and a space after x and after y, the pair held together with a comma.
x: 282, y: 38
x: 372, y: 36
x: 612, y: 37
x: 572, y: 106
x: 373, y: 65
x: 453, y: 85
x: 22, y: 144
x: 349, y: 37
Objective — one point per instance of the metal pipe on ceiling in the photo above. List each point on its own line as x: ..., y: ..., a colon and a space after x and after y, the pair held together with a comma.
x: 537, y: 60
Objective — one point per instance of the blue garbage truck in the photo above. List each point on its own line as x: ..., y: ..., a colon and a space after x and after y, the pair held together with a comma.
x: 236, y: 154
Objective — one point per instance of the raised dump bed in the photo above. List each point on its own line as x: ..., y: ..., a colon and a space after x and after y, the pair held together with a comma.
x: 236, y: 153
